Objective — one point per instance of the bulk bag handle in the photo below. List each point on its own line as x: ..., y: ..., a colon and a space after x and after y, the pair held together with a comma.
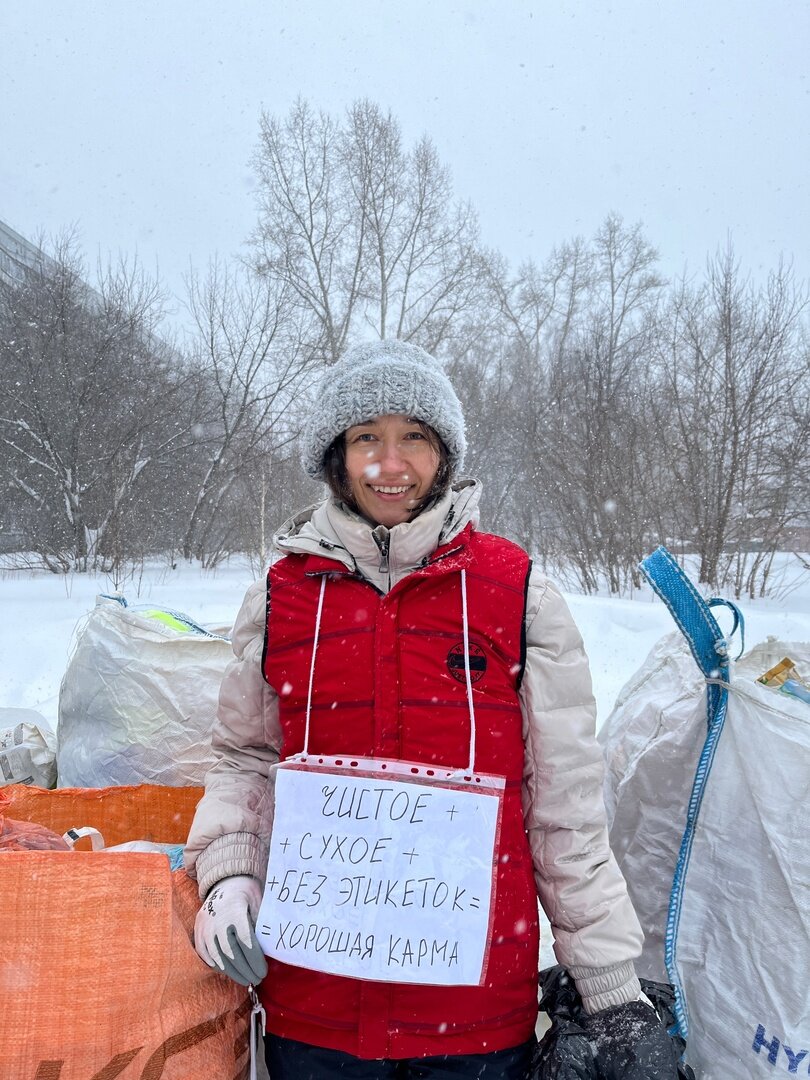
x: 711, y: 650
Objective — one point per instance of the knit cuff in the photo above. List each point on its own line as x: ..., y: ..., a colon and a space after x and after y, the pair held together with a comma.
x: 601, y: 987
x: 228, y: 856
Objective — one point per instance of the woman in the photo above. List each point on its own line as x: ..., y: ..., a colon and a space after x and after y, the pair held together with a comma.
x: 394, y: 630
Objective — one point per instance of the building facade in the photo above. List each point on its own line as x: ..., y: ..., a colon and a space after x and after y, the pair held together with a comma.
x: 18, y: 255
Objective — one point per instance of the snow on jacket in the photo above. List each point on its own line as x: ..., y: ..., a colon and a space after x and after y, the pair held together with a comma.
x: 596, y: 932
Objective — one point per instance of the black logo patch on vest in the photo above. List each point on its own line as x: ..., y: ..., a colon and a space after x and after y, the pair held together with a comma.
x: 478, y: 662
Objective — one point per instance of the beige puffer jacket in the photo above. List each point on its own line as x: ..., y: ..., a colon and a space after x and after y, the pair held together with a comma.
x: 596, y: 932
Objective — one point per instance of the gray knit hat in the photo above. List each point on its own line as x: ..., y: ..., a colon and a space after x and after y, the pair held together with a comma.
x: 379, y: 378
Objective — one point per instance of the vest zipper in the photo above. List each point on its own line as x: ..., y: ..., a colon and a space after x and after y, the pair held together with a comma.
x: 382, y: 538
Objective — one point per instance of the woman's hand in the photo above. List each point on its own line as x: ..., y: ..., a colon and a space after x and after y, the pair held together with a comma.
x: 224, y: 931
x: 631, y: 1043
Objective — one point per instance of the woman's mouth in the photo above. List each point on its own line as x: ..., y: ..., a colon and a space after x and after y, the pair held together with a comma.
x: 390, y: 491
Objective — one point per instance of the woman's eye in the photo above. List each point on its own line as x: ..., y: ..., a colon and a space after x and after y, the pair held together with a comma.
x: 415, y: 435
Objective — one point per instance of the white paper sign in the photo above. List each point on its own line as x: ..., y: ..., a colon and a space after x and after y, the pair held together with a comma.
x: 379, y: 876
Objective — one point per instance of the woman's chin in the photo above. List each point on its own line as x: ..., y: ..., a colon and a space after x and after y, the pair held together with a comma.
x: 388, y: 511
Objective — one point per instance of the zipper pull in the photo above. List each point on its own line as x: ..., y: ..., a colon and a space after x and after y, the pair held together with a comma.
x: 382, y: 538
x: 258, y: 1029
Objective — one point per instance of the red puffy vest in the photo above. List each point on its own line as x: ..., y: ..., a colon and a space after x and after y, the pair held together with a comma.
x: 390, y: 682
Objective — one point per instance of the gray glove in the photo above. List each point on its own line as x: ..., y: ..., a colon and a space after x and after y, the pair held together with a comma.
x: 224, y: 931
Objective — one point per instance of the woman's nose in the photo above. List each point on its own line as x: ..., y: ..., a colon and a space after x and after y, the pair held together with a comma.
x: 391, y: 458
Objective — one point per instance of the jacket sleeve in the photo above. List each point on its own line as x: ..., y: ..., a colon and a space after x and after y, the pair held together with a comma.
x: 596, y: 932
x: 230, y: 833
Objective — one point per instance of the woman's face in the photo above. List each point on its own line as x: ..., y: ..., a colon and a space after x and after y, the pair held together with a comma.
x: 391, y: 466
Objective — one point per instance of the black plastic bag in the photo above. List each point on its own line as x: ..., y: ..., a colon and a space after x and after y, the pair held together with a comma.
x: 617, y: 1044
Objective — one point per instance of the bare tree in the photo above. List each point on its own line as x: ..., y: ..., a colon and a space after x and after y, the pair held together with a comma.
x: 365, y: 233
x: 610, y: 373
x: 542, y: 304
x: 421, y: 248
x: 581, y: 326
x: 502, y: 352
x: 734, y: 370
x: 308, y: 235
x: 252, y: 367
x: 88, y: 403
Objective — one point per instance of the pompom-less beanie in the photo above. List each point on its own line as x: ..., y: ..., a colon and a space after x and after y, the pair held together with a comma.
x: 382, y: 378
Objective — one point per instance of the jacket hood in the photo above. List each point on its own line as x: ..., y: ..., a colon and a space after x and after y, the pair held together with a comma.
x: 330, y: 530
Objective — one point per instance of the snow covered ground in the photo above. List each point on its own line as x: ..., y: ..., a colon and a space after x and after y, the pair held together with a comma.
x: 40, y: 611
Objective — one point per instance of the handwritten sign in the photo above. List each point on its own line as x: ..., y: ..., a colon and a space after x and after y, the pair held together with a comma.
x: 381, y: 876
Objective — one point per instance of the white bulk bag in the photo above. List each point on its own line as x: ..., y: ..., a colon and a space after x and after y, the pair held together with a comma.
x: 737, y: 935
x: 741, y: 904
x: 138, y: 699
x: 652, y: 742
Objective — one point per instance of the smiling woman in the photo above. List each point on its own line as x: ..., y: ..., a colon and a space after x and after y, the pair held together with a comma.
x: 397, y: 647
x: 389, y: 468
x: 384, y: 464
x: 391, y: 464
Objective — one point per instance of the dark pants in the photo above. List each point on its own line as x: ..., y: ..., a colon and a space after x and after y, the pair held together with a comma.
x: 291, y: 1060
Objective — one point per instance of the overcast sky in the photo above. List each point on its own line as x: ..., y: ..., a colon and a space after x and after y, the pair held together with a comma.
x: 136, y: 121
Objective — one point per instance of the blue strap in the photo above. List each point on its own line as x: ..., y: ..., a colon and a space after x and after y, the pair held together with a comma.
x: 688, y: 608
x: 113, y: 596
x: 690, y: 611
x: 705, y: 762
x: 710, y: 649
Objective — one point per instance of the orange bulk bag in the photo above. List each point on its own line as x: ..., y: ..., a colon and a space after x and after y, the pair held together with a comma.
x: 129, y: 812
x: 98, y: 974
